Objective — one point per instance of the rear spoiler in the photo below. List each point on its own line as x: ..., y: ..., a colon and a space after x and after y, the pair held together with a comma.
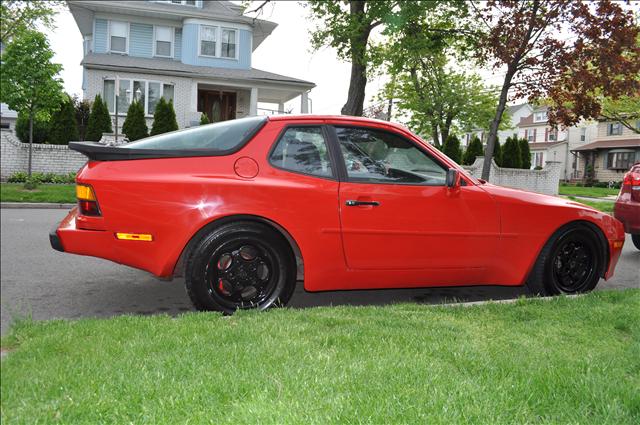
x: 100, y: 152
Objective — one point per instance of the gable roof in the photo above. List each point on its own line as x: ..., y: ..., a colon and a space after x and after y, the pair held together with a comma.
x: 171, y: 67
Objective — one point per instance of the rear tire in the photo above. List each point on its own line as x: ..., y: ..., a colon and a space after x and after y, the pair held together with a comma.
x: 242, y: 265
x: 571, y: 262
x: 636, y: 241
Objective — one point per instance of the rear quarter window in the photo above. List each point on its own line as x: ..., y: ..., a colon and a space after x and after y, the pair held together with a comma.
x: 226, y: 136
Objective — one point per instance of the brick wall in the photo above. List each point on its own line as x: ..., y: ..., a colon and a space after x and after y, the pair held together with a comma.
x: 542, y: 181
x: 57, y: 159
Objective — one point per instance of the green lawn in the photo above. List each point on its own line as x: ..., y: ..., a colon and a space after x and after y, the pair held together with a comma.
x: 569, y: 360
x: 604, y: 206
x: 58, y: 193
x: 594, y: 192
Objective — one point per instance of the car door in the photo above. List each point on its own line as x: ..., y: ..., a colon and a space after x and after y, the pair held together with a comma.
x: 397, y: 213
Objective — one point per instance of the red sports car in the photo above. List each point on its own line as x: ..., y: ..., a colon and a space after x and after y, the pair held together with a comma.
x: 627, y: 206
x: 246, y: 208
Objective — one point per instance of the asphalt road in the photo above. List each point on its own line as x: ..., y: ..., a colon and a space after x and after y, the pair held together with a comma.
x: 45, y: 284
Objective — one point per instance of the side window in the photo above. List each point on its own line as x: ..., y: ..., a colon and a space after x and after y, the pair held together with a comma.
x: 303, y: 150
x: 377, y: 156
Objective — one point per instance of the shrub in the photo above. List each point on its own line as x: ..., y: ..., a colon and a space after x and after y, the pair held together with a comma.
x: 538, y: 168
x: 83, y: 111
x: 31, y: 183
x: 40, y: 127
x: 99, y: 120
x: 511, y: 156
x: 525, y: 154
x: 164, y: 118
x: 473, y: 150
x: 204, y: 119
x: 19, y: 177
x: 452, y: 149
x: 135, y: 125
x: 497, y: 153
x: 64, y: 127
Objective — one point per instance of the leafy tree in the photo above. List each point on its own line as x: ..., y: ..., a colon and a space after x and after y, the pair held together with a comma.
x: 511, y: 155
x: 29, y: 82
x: 64, y: 127
x: 99, y: 120
x: 82, y: 111
x: 17, y: 16
x: 474, y: 150
x: 135, y: 124
x: 625, y: 110
x: 40, y: 127
x: 164, y: 118
x: 525, y: 154
x: 452, y: 148
x: 562, y: 50
x: 204, y: 119
x: 497, y: 154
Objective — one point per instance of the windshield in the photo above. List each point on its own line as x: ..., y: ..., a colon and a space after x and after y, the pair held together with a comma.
x: 220, y: 137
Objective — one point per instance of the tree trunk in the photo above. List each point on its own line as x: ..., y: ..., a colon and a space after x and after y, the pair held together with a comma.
x: 435, y: 135
x: 358, y: 82
x: 446, y: 128
x: 30, y: 141
x: 493, y: 129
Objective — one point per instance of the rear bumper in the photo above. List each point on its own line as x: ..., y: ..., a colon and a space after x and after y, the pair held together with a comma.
x: 615, y: 242
x: 54, y: 239
x: 629, y: 214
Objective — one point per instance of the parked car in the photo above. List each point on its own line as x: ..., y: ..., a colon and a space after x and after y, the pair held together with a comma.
x: 627, y: 206
x: 246, y: 208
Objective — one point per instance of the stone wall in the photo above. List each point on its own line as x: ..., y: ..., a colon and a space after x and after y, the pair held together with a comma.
x: 542, y: 181
x: 57, y: 159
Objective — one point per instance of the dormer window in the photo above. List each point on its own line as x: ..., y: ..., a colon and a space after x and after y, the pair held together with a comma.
x: 540, y: 116
x: 118, y: 37
x: 163, y: 41
x: 208, y: 40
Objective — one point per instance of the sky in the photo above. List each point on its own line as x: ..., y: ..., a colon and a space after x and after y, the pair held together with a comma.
x: 286, y: 51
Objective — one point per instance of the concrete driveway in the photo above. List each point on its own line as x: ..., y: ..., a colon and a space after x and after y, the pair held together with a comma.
x: 46, y: 284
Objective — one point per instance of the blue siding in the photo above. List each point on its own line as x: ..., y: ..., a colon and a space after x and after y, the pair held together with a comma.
x: 100, y: 36
x: 141, y: 43
x: 190, y: 50
x: 177, y: 50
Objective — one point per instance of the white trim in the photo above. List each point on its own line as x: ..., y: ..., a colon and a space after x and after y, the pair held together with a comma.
x: 173, y: 41
x: 237, y: 43
x: 183, y: 3
x: 216, y: 23
x: 217, y: 41
x: 218, y: 32
x: 126, y: 52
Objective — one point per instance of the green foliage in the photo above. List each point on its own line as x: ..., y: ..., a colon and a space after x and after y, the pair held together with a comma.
x: 19, y: 177
x: 82, y: 111
x: 511, y: 156
x: 204, y: 119
x: 31, y: 183
x: 474, y: 149
x: 135, y: 124
x: 497, y: 154
x: 452, y: 148
x: 99, y: 120
x: 164, y: 118
x: 40, y: 127
x: 625, y: 110
x: 63, y: 125
x: 18, y: 16
x: 525, y: 154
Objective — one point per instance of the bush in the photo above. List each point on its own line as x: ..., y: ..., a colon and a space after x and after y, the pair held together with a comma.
x: 21, y: 177
x: 40, y: 127
x: 83, y: 111
x: 204, y: 119
x: 473, y: 150
x: 135, y: 125
x: 511, y: 156
x: 525, y: 154
x: 31, y: 183
x: 64, y: 127
x: 452, y: 149
x: 164, y: 118
x: 99, y: 120
x: 497, y: 153
x: 538, y: 168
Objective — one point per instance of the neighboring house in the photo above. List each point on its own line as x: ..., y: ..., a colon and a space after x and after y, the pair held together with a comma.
x: 194, y: 52
x: 614, y: 150
x: 8, y: 117
x: 515, y: 112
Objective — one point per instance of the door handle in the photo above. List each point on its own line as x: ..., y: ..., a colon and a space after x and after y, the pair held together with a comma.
x: 352, y: 203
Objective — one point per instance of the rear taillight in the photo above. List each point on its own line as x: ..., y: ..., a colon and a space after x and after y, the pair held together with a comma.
x: 631, y: 184
x: 631, y: 179
x: 87, y: 201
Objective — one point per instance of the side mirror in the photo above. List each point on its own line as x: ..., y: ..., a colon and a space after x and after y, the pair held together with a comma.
x: 453, y: 178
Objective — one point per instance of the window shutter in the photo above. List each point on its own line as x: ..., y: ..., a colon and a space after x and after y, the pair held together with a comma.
x: 526, y: 134
x: 534, y: 135
x: 546, y: 134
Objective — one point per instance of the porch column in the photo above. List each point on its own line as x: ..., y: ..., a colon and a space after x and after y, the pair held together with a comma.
x: 304, y: 103
x: 193, y: 105
x: 253, y: 102
x: 280, y: 108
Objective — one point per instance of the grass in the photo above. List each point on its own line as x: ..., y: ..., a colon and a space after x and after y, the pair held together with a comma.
x: 568, y: 360
x: 593, y: 192
x: 57, y: 193
x: 603, y: 206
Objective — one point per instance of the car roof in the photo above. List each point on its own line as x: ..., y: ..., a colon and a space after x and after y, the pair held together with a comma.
x: 347, y: 119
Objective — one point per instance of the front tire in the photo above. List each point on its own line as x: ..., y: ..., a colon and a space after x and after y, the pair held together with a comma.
x: 636, y: 241
x: 242, y: 265
x: 571, y: 262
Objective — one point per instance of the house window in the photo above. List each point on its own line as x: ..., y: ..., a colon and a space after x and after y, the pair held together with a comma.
x: 118, y: 36
x: 537, y: 159
x: 148, y: 93
x: 154, y: 96
x: 228, y: 43
x: 531, y: 137
x: 614, y: 129
x: 109, y: 94
x: 621, y: 160
x: 583, y: 134
x: 164, y: 41
x: 208, y: 40
x: 553, y: 135
x: 540, y: 116
x: 167, y: 92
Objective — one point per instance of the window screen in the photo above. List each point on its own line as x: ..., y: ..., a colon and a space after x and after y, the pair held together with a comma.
x: 207, y: 40
x: 119, y: 35
x: 303, y: 150
x: 164, y: 38
x: 228, y: 43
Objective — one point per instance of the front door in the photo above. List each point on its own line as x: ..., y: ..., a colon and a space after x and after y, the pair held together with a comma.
x: 217, y: 105
x: 397, y: 213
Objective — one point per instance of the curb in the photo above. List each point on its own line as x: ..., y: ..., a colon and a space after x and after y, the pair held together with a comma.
x: 505, y: 301
x: 36, y: 205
